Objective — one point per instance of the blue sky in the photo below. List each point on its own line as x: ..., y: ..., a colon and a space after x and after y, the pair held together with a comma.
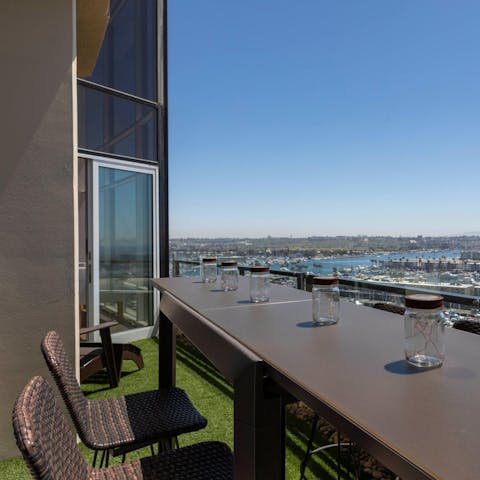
x: 321, y: 117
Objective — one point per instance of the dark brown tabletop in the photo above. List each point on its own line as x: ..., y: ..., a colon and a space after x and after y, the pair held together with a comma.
x: 356, y: 369
x: 209, y: 295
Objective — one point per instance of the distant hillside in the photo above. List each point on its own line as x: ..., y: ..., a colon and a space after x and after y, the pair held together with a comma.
x: 326, y: 245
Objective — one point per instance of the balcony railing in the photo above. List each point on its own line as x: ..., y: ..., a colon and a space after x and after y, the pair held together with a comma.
x: 298, y: 278
x: 363, y: 292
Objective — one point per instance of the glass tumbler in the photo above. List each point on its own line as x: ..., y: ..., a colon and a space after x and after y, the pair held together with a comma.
x: 229, y: 276
x: 424, y: 330
x: 209, y: 270
x: 259, y: 284
x: 325, y: 300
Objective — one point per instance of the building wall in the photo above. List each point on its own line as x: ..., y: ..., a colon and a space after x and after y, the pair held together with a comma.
x: 37, y: 194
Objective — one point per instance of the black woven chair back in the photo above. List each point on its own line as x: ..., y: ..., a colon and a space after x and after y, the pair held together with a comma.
x: 47, y: 443
x: 64, y: 376
x: 468, y: 326
x: 390, y: 307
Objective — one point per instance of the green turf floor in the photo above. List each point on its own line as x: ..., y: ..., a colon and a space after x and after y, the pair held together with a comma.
x: 212, y: 396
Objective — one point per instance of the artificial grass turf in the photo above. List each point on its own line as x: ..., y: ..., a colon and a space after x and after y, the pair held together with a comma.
x: 212, y: 396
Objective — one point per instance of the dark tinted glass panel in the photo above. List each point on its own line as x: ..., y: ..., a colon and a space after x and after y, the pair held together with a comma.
x: 111, y: 124
x: 128, y: 58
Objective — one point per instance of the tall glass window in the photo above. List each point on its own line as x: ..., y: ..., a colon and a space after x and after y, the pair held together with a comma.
x: 112, y: 124
x: 117, y: 104
x: 128, y: 58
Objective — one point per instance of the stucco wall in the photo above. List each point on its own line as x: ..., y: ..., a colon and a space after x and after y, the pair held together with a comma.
x: 37, y: 172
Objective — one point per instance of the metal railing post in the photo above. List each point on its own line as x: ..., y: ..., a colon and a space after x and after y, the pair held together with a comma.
x: 176, y: 268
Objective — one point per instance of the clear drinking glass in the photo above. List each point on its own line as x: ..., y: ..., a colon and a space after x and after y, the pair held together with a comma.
x: 209, y: 270
x: 424, y: 330
x: 325, y: 300
x: 229, y: 276
x: 259, y: 284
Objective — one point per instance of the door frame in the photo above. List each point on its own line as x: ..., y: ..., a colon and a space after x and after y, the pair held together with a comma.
x: 95, y: 162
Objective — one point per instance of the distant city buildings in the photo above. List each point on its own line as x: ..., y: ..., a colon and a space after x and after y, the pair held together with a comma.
x: 433, y: 264
x: 470, y: 255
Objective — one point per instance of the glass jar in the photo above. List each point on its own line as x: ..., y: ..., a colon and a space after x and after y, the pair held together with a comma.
x: 325, y: 300
x: 259, y: 284
x: 209, y: 270
x: 424, y: 330
x: 229, y: 276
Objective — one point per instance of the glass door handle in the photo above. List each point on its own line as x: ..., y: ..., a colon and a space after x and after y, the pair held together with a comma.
x: 89, y: 267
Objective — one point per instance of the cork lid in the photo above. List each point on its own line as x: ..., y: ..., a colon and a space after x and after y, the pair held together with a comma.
x: 259, y: 269
x: 325, y: 280
x: 209, y: 260
x: 424, y: 301
x: 230, y: 263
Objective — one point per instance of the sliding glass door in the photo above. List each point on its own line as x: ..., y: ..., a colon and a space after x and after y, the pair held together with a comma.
x: 123, y: 246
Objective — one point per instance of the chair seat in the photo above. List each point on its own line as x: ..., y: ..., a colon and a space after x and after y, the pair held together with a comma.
x: 203, y: 461
x: 141, y: 418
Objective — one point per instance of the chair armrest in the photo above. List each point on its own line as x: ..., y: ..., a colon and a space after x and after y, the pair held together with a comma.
x: 108, y: 352
x: 101, y: 326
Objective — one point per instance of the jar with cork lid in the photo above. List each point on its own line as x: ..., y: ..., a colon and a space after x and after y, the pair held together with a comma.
x: 325, y: 300
x: 209, y: 270
x: 229, y: 271
x: 424, y: 330
x: 259, y: 284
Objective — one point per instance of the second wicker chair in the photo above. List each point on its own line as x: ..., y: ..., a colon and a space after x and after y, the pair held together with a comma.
x: 50, y: 450
x: 121, y: 424
x: 470, y: 326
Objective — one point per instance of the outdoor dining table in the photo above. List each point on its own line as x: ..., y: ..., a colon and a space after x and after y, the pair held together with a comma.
x: 422, y: 424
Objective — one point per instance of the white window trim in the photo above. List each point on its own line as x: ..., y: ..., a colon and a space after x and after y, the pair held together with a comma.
x: 94, y: 164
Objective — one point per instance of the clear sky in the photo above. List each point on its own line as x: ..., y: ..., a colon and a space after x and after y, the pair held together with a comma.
x: 316, y: 117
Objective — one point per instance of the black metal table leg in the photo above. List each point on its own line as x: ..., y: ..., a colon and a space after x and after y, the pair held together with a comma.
x: 259, y: 429
x: 166, y: 352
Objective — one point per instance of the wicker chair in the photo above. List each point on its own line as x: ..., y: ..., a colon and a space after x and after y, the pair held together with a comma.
x: 312, y: 451
x: 50, y: 450
x: 107, y: 355
x: 468, y: 326
x: 121, y: 424
x: 471, y: 326
x: 390, y: 307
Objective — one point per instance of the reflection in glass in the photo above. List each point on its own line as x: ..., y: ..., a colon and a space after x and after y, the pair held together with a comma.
x: 128, y: 58
x: 125, y: 247
x: 108, y: 123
